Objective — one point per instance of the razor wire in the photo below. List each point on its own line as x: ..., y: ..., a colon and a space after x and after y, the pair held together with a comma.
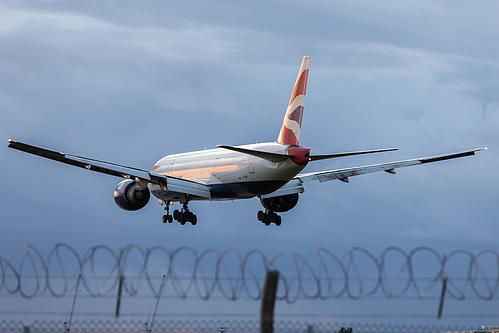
x: 232, y: 275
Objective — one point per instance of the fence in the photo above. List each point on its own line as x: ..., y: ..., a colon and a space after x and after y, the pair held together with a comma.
x: 230, y: 274
x: 214, y: 325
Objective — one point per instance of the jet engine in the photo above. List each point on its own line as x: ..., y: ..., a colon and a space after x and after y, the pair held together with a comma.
x: 280, y: 204
x: 129, y: 196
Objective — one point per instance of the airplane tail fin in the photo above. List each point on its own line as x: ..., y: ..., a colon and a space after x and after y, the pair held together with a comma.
x: 291, y: 126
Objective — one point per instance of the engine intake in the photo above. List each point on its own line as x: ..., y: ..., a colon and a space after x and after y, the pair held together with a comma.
x: 280, y: 204
x: 129, y: 196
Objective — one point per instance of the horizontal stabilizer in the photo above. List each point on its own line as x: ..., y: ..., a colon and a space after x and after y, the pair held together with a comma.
x: 361, y: 152
x: 273, y: 157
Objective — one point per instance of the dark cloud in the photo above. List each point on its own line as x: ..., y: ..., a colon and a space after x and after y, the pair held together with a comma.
x: 129, y: 83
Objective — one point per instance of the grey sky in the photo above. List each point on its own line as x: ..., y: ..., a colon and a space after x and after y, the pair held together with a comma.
x: 130, y: 82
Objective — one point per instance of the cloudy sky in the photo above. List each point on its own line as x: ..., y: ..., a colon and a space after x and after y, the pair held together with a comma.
x: 130, y: 82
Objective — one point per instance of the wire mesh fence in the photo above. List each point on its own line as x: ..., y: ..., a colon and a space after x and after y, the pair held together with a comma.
x: 215, y: 325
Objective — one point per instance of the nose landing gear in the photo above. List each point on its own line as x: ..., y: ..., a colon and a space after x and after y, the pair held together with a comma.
x: 167, y: 217
x: 269, y: 217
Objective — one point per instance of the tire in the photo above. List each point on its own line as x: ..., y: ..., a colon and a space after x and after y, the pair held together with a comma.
x: 260, y: 215
x: 278, y: 221
x: 165, y: 218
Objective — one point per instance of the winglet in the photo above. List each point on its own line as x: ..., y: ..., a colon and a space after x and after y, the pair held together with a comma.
x: 291, y: 126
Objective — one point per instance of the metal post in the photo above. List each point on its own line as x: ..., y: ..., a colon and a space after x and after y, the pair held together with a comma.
x: 67, y: 325
x: 149, y: 326
x: 118, y: 300
x: 268, y: 302
x: 442, y: 297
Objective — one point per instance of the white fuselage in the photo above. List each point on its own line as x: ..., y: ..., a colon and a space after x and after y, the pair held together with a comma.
x: 229, y: 174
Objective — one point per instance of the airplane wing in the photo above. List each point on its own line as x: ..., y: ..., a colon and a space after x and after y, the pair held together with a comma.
x: 291, y: 187
x: 167, y: 182
x: 344, y: 174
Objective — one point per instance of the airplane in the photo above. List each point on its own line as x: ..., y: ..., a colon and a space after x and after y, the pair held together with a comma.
x: 269, y: 171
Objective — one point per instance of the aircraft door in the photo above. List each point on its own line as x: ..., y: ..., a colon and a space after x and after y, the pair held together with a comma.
x: 251, y: 164
x: 214, y: 170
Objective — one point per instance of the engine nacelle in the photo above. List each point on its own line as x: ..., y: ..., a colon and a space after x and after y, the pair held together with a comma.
x: 280, y: 204
x: 129, y: 196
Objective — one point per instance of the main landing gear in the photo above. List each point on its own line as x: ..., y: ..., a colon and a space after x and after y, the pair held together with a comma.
x: 269, y: 217
x: 183, y: 216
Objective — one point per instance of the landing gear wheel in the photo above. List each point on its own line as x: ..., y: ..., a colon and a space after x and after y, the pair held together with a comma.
x: 184, y: 216
x: 278, y: 221
x: 269, y: 217
x: 167, y: 217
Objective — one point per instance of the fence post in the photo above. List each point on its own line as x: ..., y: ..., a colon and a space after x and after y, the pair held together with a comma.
x: 268, y: 302
x: 26, y: 329
x: 442, y: 298
x: 118, y: 299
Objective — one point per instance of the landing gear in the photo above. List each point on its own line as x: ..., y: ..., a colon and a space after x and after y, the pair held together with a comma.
x: 269, y: 217
x: 167, y: 217
x: 185, y: 215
